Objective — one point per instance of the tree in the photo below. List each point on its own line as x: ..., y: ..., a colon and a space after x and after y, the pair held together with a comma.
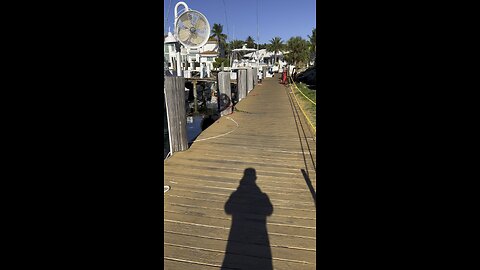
x: 275, y: 46
x: 313, y: 44
x: 217, y: 30
x: 297, y: 50
x: 313, y: 40
x: 250, y: 42
x: 236, y: 44
x: 262, y: 46
x: 218, y: 62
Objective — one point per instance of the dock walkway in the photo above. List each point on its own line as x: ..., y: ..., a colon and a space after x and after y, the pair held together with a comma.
x: 243, y: 195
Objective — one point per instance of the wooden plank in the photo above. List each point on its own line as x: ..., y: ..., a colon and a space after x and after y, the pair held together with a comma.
x: 236, y: 175
x: 220, y: 232
x: 217, y: 258
x: 273, y: 164
x: 270, y: 187
x: 225, y: 189
x: 181, y: 198
x: 179, y: 264
x: 219, y: 212
x: 277, y: 253
x: 250, y: 224
x: 226, y: 167
x: 284, y: 202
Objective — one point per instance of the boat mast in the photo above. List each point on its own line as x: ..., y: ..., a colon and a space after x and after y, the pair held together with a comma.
x: 258, y: 40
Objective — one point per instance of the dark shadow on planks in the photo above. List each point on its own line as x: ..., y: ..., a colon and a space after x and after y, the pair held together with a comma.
x: 249, y: 208
x: 310, y: 186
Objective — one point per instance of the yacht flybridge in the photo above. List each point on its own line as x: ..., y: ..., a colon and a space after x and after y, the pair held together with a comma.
x: 244, y: 57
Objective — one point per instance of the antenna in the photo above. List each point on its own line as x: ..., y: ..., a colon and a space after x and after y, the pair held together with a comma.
x: 258, y: 39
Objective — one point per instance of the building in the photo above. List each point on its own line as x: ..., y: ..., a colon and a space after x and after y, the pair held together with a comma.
x: 170, y: 53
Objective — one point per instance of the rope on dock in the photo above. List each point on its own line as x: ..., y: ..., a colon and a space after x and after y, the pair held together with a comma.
x: 221, y: 135
x: 302, y: 108
x: 238, y: 110
x: 303, y: 93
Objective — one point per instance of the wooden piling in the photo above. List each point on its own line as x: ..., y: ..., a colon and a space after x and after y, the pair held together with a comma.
x: 242, y: 83
x: 255, y: 77
x: 249, y: 80
x: 175, y: 103
x: 225, y: 96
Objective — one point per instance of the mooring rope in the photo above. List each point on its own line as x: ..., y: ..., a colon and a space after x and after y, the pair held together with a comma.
x: 303, y: 93
x: 293, y: 94
x: 221, y: 135
x: 238, y: 110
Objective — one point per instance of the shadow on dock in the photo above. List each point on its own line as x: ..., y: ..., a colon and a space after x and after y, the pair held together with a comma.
x: 248, y: 243
x: 310, y: 186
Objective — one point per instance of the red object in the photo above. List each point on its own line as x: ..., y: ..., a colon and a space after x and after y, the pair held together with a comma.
x: 284, y: 77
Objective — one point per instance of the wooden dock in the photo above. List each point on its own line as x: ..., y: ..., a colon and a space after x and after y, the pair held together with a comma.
x: 243, y: 195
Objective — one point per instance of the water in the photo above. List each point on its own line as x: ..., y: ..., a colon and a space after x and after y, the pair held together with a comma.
x: 194, y: 127
x: 195, y: 124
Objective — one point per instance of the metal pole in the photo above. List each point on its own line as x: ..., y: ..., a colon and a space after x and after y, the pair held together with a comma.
x: 195, y: 101
x: 179, y: 70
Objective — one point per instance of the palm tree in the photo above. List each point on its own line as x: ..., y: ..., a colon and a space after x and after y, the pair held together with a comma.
x: 250, y: 42
x: 276, y: 44
x: 236, y: 44
x: 217, y: 30
x: 297, y: 50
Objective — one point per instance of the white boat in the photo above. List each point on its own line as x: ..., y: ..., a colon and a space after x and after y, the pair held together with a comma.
x: 249, y: 58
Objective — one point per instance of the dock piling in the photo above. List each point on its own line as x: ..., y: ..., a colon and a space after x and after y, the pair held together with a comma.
x: 225, y: 90
x: 175, y: 105
x: 242, y: 83
x: 249, y: 80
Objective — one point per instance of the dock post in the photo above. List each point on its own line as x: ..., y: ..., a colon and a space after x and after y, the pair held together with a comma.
x: 225, y: 96
x: 195, y: 98
x: 255, y: 77
x: 249, y: 80
x: 176, y: 116
x: 242, y: 83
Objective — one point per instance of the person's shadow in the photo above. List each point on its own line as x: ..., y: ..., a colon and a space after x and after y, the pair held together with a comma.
x: 248, y: 245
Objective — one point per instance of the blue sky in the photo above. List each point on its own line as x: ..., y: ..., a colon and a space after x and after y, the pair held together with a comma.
x: 283, y: 18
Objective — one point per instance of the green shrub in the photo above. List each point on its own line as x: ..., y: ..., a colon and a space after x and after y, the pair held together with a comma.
x: 218, y: 62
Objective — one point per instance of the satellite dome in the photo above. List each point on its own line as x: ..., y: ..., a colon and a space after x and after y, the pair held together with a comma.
x: 170, y: 38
